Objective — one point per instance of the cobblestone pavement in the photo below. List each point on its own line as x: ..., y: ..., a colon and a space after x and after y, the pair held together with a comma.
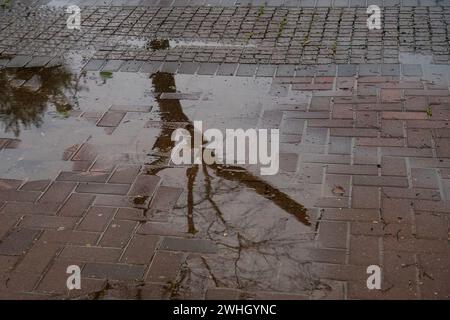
x: 237, y: 34
x: 86, y: 119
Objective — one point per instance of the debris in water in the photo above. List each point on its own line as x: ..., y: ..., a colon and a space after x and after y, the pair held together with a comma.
x: 140, y: 200
x: 338, y: 190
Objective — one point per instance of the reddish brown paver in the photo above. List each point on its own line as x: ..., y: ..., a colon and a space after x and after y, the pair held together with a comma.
x: 371, y: 170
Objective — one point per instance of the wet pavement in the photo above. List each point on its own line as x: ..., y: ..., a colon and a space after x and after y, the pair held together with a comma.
x: 86, y: 177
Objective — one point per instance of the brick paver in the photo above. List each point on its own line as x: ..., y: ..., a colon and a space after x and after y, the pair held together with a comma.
x: 364, y: 155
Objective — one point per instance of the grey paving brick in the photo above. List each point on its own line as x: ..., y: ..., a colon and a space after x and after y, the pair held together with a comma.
x: 324, y: 3
x: 285, y: 71
x: 207, y: 68
x: 305, y: 71
x: 410, y: 3
x: 411, y: 70
x: 308, y: 3
x: 391, y: 3
x: 347, y: 70
x: 188, y: 68
x: 19, y: 61
x: 169, y: 67
x: 55, y: 62
x: 38, y: 62
x: 113, y: 65
x: 369, y: 70
x: 18, y: 241
x: 150, y: 67
x: 94, y: 65
x: 358, y: 3
x: 266, y: 70
x: 340, y: 3
x: 131, y: 66
x: 227, y: 69
x: 246, y: 70
x: 326, y: 70
x: 113, y: 271
x: 189, y: 245
x: 390, y: 70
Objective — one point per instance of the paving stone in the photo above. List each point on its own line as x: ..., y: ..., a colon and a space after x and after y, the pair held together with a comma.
x: 390, y: 70
x: 165, y: 198
x: 19, y: 61
x: 94, y: 65
x: 190, y: 245
x: 37, y: 185
x: 57, y: 192
x: 207, y: 68
x: 48, y: 222
x: 77, y: 205
x: 38, y: 62
x: 227, y: 69
x: 91, y: 254
x: 70, y: 237
x: 24, y: 196
x: 340, y: 3
x: 411, y: 70
x: 18, y: 241
x: 188, y: 68
x: 145, y: 185
x: 113, y: 271
x: 112, y: 65
x: 125, y: 174
x: 96, y: 219
x: 285, y: 71
x: 111, y: 119
x: 31, y: 208
x: 38, y: 258
x: 369, y: 70
x: 165, y: 267
x: 150, y: 67
x: 103, y: 188
x: 246, y: 70
x: 170, y: 67
x: 82, y: 176
x: 305, y: 71
x: 118, y: 233
x: 347, y: 70
x: 365, y: 197
x: 141, y: 249
x: 333, y: 234
x: 266, y: 70
x: 424, y: 178
x: 326, y: 70
x: 131, y: 66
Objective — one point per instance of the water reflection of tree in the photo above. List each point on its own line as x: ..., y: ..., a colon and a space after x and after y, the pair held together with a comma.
x: 271, y: 245
x: 23, y: 106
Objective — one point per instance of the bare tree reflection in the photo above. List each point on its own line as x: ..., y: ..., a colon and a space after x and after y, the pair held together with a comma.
x: 270, y: 251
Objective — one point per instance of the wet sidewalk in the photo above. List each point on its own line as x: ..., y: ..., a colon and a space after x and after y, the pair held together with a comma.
x: 86, y: 177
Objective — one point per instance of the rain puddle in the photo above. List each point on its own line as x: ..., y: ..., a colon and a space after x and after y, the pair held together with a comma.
x: 259, y: 224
